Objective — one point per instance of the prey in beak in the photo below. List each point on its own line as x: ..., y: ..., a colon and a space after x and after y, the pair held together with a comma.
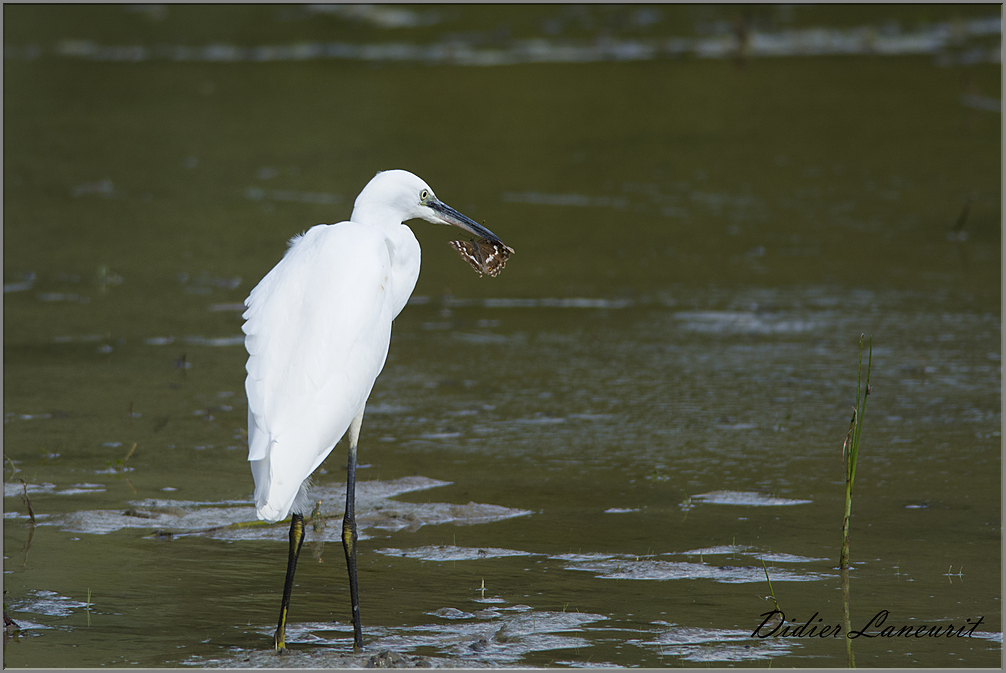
x: 486, y: 255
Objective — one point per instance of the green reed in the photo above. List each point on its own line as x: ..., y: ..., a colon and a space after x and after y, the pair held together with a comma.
x: 850, y: 448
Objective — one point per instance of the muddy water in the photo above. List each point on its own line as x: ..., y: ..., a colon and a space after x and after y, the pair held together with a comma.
x: 584, y: 461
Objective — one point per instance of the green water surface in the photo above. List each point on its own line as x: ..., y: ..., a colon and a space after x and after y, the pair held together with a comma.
x: 700, y: 243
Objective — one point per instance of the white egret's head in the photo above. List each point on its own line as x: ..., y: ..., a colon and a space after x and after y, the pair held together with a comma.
x: 400, y: 195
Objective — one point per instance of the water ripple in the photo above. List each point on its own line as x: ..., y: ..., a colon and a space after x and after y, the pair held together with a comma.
x: 862, y: 40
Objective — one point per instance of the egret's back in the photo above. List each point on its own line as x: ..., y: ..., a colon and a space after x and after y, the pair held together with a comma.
x: 317, y: 331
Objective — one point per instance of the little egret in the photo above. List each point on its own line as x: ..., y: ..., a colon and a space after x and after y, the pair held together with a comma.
x: 317, y: 332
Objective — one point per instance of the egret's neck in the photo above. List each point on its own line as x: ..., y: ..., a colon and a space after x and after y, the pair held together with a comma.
x: 402, y: 245
x: 387, y: 219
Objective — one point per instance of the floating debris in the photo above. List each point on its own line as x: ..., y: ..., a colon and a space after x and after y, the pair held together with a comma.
x: 745, y: 499
x: 787, y: 558
x: 47, y: 603
x: 11, y: 489
x: 576, y: 558
x: 451, y: 613
x: 936, y: 39
x: 649, y: 569
x: 236, y: 519
x: 718, y: 550
x: 452, y: 553
x: 715, y: 645
x: 506, y: 640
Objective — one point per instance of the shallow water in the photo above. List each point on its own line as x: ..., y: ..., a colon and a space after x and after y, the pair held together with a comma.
x: 585, y: 461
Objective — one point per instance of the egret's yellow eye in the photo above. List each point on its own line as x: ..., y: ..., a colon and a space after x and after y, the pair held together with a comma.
x: 423, y: 195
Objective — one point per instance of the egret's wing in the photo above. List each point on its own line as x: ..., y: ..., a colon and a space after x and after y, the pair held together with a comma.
x: 317, y: 333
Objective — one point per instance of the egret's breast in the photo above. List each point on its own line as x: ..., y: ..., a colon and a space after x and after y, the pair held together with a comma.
x: 405, y: 259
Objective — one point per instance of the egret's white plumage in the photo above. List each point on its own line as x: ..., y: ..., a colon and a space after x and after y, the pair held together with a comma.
x: 317, y: 329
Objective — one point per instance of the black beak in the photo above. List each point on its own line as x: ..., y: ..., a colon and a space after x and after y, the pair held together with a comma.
x: 453, y: 217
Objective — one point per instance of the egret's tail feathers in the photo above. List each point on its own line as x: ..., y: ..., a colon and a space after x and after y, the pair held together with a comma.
x: 269, y: 513
x: 275, y: 500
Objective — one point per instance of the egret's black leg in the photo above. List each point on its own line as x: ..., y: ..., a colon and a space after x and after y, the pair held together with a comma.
x: 296, y: 542
x: 349, y: 530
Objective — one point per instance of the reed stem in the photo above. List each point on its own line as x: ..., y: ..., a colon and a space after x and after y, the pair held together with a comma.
x: 850, y: 449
